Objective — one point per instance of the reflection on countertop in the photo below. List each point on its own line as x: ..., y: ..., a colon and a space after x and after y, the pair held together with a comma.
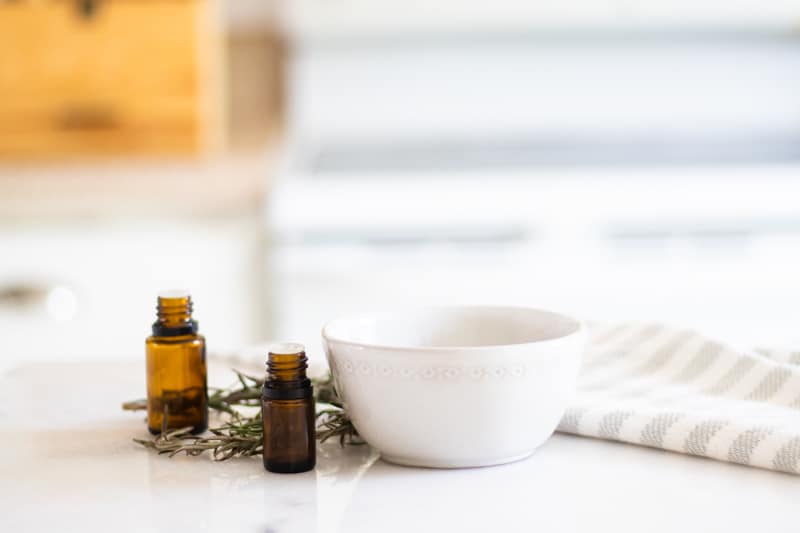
x: 69, y: 451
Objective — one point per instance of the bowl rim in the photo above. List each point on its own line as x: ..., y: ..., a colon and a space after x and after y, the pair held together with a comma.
x: 327, y: 336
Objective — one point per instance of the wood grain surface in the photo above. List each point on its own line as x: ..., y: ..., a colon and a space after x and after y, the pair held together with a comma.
x: 129, y: 77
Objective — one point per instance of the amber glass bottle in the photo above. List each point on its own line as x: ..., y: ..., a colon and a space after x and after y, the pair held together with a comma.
x: 176, y: 368
x: 287, y: 409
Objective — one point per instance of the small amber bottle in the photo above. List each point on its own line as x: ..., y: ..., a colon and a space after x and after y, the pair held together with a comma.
x: 176, y: 368
x: 287, y: 409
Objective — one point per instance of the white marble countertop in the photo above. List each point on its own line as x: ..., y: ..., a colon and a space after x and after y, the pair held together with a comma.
x: 69, y: 465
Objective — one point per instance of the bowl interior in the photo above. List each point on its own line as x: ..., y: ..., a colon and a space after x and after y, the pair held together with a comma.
x: 452, y: 327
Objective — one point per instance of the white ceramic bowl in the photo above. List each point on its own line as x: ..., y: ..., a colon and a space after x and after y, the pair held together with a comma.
x: 455, y: 387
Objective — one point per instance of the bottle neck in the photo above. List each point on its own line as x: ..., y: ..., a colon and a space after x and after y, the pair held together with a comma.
x: 286, y: 375
x: 174, y: 316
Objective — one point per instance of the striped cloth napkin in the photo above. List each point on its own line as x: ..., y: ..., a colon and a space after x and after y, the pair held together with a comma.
x: 674, y: 389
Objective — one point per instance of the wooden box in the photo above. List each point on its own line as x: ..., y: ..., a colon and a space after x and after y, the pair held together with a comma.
x: 109, y: 77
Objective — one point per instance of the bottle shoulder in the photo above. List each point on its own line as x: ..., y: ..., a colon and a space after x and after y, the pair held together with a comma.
x: 195, y: 338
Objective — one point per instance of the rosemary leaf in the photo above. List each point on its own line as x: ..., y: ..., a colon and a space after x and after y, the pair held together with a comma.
x: 240, y: 434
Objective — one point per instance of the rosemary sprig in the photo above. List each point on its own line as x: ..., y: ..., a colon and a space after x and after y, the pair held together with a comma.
x: 240, y: 434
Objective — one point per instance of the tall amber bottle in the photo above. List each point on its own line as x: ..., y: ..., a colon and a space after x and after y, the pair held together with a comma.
x: 176, y: 368
x: 287, y: 411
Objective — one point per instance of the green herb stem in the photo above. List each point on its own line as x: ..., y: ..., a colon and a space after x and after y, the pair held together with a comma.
x: 241, y: 434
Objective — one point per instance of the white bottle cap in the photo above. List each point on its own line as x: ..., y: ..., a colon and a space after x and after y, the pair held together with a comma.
x: 174, y: 293
x: 286, y: 348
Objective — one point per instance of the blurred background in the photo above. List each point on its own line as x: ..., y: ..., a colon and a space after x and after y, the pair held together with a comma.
x: 290, y: 161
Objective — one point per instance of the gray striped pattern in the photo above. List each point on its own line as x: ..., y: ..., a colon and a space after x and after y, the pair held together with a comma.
x: 612, y: 423
x: 571, y: 420
x: 788, y: 457
x: 664, y: 354
x: 612, y: 357
x: 700, y: 363
x: 795, y: 403
x: 653, y: 433
x: 769, y: 386
x: 733, y: 376
x: 742, y: 447
x: 696, y: 405
x: 646, y: 333
x: 699, y: 437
